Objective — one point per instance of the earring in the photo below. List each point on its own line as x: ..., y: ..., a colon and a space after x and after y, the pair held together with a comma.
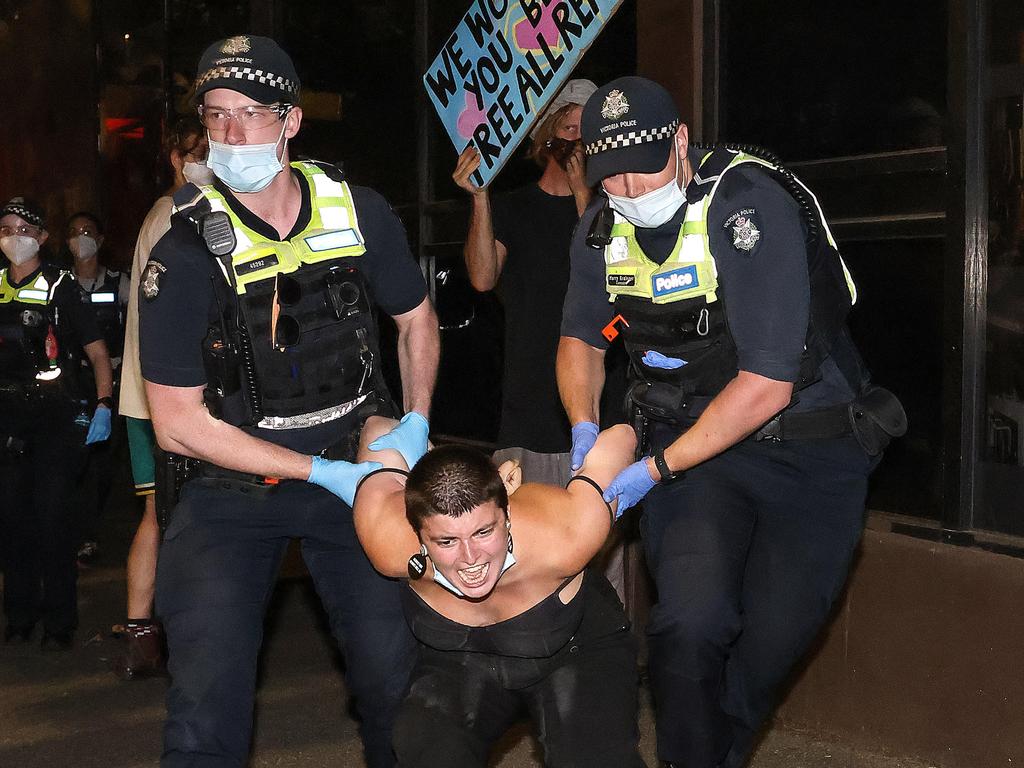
x: 418, y: 563
x: 508, y: 527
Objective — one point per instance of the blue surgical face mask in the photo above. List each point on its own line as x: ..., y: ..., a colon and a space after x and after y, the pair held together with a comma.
x: 654, y: 208
x: 441, y: 579
x: 246, y: 167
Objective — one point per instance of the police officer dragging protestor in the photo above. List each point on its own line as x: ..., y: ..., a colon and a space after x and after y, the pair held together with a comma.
x: 759, y: 425
x: 260, y: 355
x: 44, y: 330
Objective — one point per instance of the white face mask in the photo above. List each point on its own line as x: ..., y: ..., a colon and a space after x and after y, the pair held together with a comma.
x: 654, y: 208
x: 19, y: 248
x: 441, y: 579
x: 83, y: 247
x: 197, y: 173
x: 246, y: 167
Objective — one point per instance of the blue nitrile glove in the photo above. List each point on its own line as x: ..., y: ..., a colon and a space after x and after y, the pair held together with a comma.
x: 584, y: 435
x: 630, y: 485
x: 409, y: 438
x: 340, y: 477
x: 654, y: 359
x: 99, y: 427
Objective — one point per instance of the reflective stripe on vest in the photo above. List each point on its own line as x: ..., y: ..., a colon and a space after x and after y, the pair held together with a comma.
x: 39, y: 291
x: 332, y: 231
x: 690, y: 270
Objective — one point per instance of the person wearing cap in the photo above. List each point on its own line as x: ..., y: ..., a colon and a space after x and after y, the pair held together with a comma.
x: 44, y: 329
x: 523, y: 240
x: 719, y: 270
x: 259, y: 348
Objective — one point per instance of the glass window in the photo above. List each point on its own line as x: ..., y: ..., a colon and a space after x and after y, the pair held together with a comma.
x: 814, y: 80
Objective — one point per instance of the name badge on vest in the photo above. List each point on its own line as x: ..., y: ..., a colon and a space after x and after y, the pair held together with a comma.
x: 682, y: 279
x: 621, y: 281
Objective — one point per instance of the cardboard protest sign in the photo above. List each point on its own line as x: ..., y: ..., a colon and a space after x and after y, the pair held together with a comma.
x: 503, y: 63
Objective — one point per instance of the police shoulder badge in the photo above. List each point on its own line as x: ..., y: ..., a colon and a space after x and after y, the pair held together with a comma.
x: 236, y: 45
x: 615, y: 105
x: 150, y: 283
x: 744, y: 234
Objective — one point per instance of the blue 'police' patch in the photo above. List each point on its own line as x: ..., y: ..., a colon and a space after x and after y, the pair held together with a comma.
x: 682, y: 279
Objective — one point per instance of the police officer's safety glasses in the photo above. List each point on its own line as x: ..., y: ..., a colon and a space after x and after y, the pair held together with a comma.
x: 251, y: 117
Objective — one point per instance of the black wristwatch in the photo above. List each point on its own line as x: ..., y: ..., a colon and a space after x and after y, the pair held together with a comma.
x: 662, y: 466
x: 107, y: 401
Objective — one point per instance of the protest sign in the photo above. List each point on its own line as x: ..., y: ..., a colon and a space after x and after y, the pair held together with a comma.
x: 503, y: 63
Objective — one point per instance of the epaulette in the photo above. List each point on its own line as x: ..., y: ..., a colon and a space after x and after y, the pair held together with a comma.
x: 186, y: 197
x: 334, y: 172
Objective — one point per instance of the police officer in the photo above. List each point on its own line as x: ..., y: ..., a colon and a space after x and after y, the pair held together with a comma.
x: 719, y: 270
x: 44, y: 327
x: 259, y: 351
x: 106, y: 291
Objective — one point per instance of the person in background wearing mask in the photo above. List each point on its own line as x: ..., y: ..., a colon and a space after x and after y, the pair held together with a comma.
x: 44, y: 328
x: 259, y: 348
x: 522, y: 238
x: 144, y: 651
x: 106, y: 291
x: 731, y: 297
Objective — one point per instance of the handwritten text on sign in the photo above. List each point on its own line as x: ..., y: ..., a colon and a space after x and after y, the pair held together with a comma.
x: 503, y: 63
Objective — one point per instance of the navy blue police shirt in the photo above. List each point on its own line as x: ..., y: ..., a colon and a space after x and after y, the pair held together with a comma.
x: 173, y: 324
x: 765, y: 290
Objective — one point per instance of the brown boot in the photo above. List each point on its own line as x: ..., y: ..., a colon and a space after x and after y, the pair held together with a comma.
x: 144, y: 654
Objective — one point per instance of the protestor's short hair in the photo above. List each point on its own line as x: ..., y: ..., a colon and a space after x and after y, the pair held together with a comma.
x: 451, y: 480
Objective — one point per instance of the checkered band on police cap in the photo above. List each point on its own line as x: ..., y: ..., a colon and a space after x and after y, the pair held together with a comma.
x: 254, y: 66
x: 627, y: 127
x: 26, y: 209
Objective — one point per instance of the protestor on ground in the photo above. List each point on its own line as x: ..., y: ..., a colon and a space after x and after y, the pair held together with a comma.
x: 45, y: 327
x: 259, y: 347
x: 509, y: 619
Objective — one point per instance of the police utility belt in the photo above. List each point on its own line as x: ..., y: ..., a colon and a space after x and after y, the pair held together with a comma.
x: 873, y: 418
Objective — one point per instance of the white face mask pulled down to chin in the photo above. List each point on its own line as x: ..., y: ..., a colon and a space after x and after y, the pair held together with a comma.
x: 651, y: 209
x: 19, y: 248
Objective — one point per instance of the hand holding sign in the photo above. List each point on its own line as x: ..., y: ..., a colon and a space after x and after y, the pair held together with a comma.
x: 467, y: 164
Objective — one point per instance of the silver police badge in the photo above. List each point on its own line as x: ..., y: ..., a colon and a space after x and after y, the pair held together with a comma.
x: 236, y: 45
x: 744, y: 234
x: 150, y: 282
x: 615, y: 105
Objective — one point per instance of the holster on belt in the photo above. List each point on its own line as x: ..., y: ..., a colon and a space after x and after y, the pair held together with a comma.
x: 172, y: 472
x: 873, y: 418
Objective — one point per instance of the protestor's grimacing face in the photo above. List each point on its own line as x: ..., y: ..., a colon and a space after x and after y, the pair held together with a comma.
x: 468, y: 550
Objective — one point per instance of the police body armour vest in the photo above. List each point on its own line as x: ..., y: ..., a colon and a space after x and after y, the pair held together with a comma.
x: 298, y: 343
x: 27, y: 319
x: 673, y: 309
x: 105, y: 300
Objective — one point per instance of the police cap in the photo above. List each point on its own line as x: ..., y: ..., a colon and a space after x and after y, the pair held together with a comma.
x: 26, y: 209
x: 627, y: 127
x: 254, y: 66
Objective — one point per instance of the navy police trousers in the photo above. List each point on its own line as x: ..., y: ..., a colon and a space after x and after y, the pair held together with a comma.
x: 216, y: 572
x: 749, y: 551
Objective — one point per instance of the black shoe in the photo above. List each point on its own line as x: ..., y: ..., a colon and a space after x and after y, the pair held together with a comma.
x: 57, y: 641
x: 17, y: 635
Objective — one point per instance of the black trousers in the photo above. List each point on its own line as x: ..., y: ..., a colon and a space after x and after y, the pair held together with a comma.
x: 749, y: 551
x: 582, y: 702
x: 217, y: 568
x: 37, y: 522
